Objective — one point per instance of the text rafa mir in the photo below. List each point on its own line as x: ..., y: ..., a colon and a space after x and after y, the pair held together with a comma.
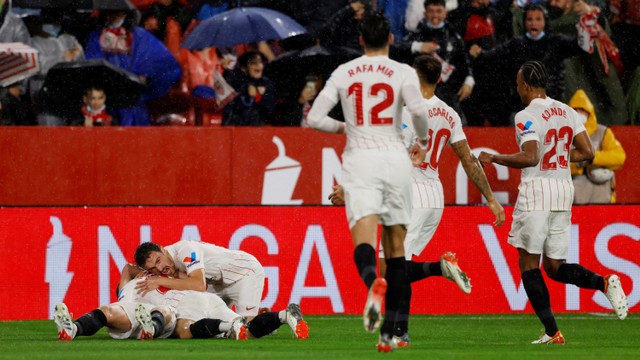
x: 368, y: 68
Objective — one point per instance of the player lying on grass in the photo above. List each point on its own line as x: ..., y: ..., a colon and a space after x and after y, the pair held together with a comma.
x: 187, y: 314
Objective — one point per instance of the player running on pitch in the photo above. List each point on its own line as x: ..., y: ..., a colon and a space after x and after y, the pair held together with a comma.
x: 549, y: 135
x: 445, y: 127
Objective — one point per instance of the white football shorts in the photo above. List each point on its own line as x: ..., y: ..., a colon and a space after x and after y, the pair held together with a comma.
x: 542, y: 232
x: 245, y: 294
x: 424, y: 222
x: 204, y: 305
x: 377, y: 182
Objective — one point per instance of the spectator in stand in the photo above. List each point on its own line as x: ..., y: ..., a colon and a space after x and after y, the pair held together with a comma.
x: 14, y: 107
x: 94, y: 109
x: 256, y: 94
x: 313, y: 15
x: 12, y: 29
x: 395, y: 11
x: 167, y: 20
x: 294, y: 102
x: 477, y: 23
x: 415, y: 9
x: 53, y: 48
x: 122, y: 43
x: 625, y: 24
x: 434, y: 36
x: 343, y: 29
x: 597, y: 73
x: 537, y: 44
x: 594, y: 181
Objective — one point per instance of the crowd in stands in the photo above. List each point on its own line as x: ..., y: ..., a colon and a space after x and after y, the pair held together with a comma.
x: 588, y: 45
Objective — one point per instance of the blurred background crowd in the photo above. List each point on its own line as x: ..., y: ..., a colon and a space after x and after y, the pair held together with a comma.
x: 225, y: 62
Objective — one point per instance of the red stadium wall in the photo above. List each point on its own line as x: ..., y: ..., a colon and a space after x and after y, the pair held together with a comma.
x: 73, y: 254
x: 188, y: 166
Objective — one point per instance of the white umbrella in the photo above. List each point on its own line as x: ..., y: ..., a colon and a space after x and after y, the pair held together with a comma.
x: 17, y: 61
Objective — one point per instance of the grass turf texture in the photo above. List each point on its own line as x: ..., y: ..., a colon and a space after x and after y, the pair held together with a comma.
x: 589, y: 336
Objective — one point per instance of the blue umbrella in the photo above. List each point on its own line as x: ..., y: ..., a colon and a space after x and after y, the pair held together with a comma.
x: 242, y: 25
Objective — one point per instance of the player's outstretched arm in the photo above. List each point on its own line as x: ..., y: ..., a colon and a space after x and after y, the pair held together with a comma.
x: 474, y: 171
x: 528, y: 157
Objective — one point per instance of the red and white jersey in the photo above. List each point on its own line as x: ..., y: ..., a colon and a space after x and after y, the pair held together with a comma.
x: 221, y: 265
x: 445, y: 127
x: 548, y: 185
x: 372, y: 91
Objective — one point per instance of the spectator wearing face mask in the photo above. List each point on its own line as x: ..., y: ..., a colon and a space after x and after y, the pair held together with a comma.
x: 537, y: 44
x: 119, y: 41
x: 53, y: 47
x: 597, y: 73
x: 595, y: 182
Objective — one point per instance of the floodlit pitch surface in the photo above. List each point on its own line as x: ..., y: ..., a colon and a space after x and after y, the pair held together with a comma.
x: 589, y: 336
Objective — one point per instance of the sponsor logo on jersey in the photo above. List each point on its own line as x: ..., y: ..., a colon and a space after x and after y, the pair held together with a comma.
x: 190, y: 258
x: 525, y: 126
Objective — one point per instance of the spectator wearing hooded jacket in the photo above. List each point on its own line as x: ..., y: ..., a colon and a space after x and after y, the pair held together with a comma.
x: 122, y: 43
x: 595, y: 182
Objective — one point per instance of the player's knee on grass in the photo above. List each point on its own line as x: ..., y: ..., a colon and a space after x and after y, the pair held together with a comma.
x: 183, y: 330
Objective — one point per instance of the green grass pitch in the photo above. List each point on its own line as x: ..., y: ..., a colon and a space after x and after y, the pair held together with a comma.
x: 589, y: 336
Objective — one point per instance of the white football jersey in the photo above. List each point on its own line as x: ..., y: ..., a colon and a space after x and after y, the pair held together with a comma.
x: 372, y: 91
x: 159, y: 296
x: 221, y: 265
x: 445, y: 127
x: 548, y: 185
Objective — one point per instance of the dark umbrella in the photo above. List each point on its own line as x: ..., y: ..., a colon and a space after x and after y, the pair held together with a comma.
x: 68, y: 81
x: 242, y: 25
x: 293, y: 66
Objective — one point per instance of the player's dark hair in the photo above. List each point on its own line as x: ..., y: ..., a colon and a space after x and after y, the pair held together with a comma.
x: 535, y: 74
x: 428, y: 68
x: 435, y: 2
x: 375, y: 30
x: 143, y: 251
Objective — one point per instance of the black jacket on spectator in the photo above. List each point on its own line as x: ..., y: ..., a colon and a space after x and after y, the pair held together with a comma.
x: 550, y: 50
x: 342, y: 30
x: 452, y: 50
x: 16, y: 111
x: 246, y: 110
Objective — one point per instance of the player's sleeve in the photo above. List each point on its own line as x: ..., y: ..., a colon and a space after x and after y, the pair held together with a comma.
x: 412, y: 97
x: 578, y: 127
x: 526, y: 128
x: 408, y: 134
x: 191, y: 258
x: 457, y: 134
x: 325, y: 101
